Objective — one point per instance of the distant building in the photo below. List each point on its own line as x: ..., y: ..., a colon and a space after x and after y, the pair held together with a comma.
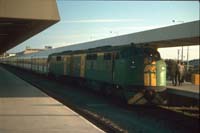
x: 29, y: 50
x: 194, y: 62
x: 11, y: 54
x: 2, y: 56
x: 195, y: 65
x: 48, y: 47
x: 7, y: 54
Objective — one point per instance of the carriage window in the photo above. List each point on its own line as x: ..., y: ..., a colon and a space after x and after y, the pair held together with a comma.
x: 117, y: 56
x: 58, y: 58
x: 88, y: 57
x: 91, y: 57
x: 107, y: 56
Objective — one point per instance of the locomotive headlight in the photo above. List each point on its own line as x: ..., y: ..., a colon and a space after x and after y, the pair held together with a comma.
x: 163, y: 68
x: 132, y: 64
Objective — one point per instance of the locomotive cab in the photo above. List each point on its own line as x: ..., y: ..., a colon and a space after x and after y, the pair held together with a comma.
x: 144, y: 75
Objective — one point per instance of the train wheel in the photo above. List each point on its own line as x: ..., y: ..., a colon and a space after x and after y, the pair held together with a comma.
x: 106, y: 89
x: 159, y: 100
x: 138, y: 99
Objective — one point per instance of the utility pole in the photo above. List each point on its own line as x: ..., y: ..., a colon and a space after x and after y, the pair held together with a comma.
x: 187, y: 58
x: 182, y: 54
x: 178, y: 54
x: 178, y: 21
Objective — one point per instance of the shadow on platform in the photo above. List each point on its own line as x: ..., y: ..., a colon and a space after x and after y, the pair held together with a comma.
x: 12, y: 86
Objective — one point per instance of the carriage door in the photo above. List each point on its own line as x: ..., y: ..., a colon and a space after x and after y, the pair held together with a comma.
x: 82, y: 65
x: 65, y: 65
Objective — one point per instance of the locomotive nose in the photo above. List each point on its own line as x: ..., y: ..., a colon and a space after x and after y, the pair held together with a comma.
x: 150, y: 74
x: 155, y: 82
x: 155, y: 74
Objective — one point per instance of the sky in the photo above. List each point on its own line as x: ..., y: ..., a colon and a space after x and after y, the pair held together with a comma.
x: 83, y: 21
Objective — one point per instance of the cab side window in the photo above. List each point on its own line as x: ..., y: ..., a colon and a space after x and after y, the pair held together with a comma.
x: 58, y: 58
x: 91, y: 57
x: 107, y: 56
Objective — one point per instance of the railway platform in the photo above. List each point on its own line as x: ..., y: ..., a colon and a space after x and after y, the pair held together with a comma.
x: 187, y: 89
x: 24, y: 108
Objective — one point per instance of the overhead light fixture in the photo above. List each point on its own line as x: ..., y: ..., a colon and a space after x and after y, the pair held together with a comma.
x: 5, y: 23
x: 3, y: 34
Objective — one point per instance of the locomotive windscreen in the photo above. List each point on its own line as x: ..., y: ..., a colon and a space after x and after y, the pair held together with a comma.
x: 151, y: 55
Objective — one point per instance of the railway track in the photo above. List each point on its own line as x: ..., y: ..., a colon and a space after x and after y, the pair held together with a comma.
x: 114, y: 116
x: 192, y: 111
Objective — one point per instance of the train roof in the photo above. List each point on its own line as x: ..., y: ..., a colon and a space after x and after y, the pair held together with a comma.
x: 108, y: 48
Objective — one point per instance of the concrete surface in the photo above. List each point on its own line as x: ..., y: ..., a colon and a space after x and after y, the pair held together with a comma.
x: 186, y: 89
x: 24, y: 108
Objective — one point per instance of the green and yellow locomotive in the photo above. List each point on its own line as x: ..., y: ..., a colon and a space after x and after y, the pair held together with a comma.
x: 136, y: 74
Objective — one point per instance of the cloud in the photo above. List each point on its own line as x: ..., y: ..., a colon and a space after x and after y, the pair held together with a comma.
x: 102, y: 20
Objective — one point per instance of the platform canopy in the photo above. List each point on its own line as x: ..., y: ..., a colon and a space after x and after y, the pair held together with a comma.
x: 185, y: 34
x: 22, y: 19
